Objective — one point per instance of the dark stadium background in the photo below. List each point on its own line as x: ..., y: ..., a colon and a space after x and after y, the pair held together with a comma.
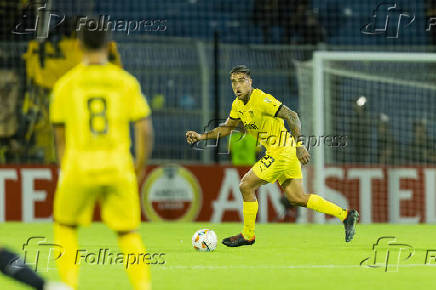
x: 183, y: 70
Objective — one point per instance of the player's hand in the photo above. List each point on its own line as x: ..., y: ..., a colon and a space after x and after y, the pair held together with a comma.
x: 192, y: 137
x: 303, y: 155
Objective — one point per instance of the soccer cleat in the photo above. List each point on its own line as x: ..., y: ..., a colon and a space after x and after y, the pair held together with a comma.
x: 237, y: 241
x: 350, y: 224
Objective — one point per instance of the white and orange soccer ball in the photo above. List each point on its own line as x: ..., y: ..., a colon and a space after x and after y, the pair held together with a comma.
x: 204, y: 240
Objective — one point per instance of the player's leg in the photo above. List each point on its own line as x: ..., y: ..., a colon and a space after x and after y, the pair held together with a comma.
x: 248, y: 186
x: 130, y: 242
x: 120, y: 209
x: 294, y: 191
x: 73, y: 206
x: 66, y: 236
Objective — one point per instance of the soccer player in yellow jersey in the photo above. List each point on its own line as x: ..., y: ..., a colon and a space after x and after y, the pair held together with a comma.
x: 46, y: 62
x: 263, y: 117
x: 91, y: 109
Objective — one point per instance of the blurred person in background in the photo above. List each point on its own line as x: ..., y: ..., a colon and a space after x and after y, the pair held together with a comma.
x: 385, y: 141
x: 12, y: 145
x: 299, y: 23
x: 266, y: 16
x: 243, y: 149
x: 422, y: 149
x: 46, y: 62
x: 11, y: 12
x: 11, y: 137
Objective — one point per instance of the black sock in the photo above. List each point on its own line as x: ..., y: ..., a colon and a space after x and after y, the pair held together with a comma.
x: 11, y: 265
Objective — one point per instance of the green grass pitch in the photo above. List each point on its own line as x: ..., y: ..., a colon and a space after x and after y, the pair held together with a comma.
x: 285, y: 256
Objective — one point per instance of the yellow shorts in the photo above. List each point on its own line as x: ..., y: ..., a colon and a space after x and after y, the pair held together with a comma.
x: 278, y: 166
x: 119, y: 202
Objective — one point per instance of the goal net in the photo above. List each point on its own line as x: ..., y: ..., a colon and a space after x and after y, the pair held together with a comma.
x: 370, y: 119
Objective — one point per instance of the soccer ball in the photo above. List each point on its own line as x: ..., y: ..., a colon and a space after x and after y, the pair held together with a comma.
x: 204, y: 240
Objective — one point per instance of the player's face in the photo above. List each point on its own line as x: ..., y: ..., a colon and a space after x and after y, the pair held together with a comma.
x: 241, y: 85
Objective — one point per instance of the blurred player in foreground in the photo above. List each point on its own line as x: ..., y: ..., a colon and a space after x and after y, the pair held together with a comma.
x: 91, y: 109
x: 13, y: 266
x: 262, y: 116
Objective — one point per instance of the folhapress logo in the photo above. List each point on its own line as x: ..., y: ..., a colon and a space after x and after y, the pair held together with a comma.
x: 32, y: 22
x: 388, y: 254
x: 41, y: 255
x: 387, y: 20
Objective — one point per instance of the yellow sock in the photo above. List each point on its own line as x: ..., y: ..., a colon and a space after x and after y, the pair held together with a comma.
x: 67, y: 266
x: 250, y: 211
x: 319, y: 204
x: 139, y: 273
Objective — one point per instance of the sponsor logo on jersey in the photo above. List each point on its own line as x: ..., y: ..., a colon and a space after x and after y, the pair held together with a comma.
x: 250, y: 126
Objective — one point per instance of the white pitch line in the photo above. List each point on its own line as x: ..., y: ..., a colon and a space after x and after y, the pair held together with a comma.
x: 224, y: 267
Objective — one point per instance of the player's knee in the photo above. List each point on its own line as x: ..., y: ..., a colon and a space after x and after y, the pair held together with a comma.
x: 299, y: 203
x: 297, y: 200
x: 244, y: 187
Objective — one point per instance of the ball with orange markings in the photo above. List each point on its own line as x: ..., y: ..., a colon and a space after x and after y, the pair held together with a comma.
x: 204, y: 240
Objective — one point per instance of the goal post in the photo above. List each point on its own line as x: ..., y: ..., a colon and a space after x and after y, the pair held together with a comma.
x: 338, y: 77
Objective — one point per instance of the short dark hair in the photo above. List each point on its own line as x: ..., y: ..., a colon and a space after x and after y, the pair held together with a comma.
x: 241, y: 69
x: 92, y: 38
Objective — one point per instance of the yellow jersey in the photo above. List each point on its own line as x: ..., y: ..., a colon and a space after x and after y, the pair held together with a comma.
x: 260, y: 120
x: 96, y: 103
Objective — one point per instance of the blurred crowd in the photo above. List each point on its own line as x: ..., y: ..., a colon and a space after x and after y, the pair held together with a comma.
x: 26, y: 82
x: 388, y: 150
x: 297, y: 22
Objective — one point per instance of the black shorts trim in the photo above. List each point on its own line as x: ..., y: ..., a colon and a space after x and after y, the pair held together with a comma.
x: 234, y: 118
x: 281, y: 105
x: 58, y: 124
x: 65, y: 224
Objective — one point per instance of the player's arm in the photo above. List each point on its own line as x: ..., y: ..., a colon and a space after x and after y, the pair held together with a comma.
x: 294, y: 124
x: 143, y: 144
x: 59, y: 134
x: 218, y: 132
